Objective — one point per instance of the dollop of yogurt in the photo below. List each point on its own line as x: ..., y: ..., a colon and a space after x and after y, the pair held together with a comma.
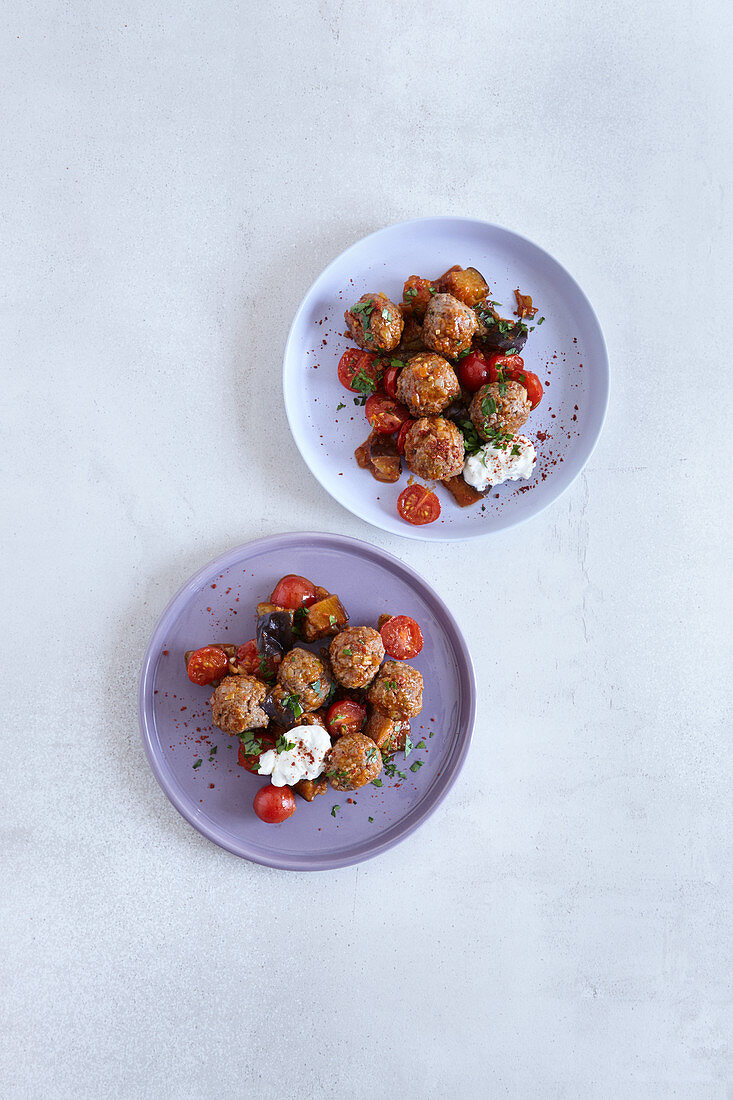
x: 491, y: 466
x: 303, y: 761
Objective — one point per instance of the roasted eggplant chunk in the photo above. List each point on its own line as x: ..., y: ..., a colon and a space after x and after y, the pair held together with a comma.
x: 467, y: 285
x: 309, y: 788
x: 497, y: 334
x: 324, y: 619
x: 274, y: 634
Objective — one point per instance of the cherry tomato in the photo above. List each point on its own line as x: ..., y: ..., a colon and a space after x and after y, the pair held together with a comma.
x: 402, y: 637
x: 402, y: 435
x: 251, y: 760
x: 501, y: 365
x: 530, y: 381
x: 355, y: 361
x: 473, y: 371
x: 385, y: 414
x: 248, y: 658
x: 274, y: 804
x: 345, y: 717
x: 418, y: 505
x: 292, y: 591
x: 207, y: 664
x: 389, y: 381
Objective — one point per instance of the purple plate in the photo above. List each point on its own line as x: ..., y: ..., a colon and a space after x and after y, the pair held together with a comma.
x: 215, y: 796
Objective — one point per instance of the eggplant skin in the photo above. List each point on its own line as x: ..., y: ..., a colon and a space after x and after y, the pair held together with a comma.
x: 497, y: 334
x: 274, y: 634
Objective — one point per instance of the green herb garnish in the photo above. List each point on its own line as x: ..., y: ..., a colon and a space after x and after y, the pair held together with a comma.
x: 416, y: 766
x: 283, y: 745
x: 408, y: 745
x: 333, y: 810
x: 376, y: 782
x: 198, y: 763
x: 340, y: 406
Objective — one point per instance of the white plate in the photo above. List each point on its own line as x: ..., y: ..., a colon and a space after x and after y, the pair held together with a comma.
x: 567, y: 351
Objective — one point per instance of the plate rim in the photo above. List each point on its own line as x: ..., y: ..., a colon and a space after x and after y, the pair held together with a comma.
x: 152, y: 654
x: 417, y: 533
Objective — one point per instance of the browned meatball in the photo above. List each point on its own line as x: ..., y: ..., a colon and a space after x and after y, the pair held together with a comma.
x: 499, y: 406
x: 449, y: 326
x: 353, y: 762
x: 434, y: 448
x: 303, y: 674
x: 397, y: 690
x: 427, y: 384
x: 375, y: 322
x: 235, y: 704
x: 356, y: 654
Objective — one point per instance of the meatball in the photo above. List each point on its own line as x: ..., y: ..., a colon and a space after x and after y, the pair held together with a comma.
x: 375, y: 323
x: 356, y: 654
x: 499, y: 406
x: 353, y: 762
x: 235, y: 704
x: 303, y: 674
x: 434, y: 448
x: 427, y: 384
x: 449, y: 326
x: 397, y: 691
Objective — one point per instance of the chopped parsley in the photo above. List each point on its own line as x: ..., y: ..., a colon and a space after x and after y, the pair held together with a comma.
x: 333, y: 810
x: 283, y: 745
x: 371, y: 819
x: 347, y: 652
x: 299, y: 616
x: 411, y: 292
x: 376, y: 782
x: 340, y: 406
x: 292, y: 702
x: 472, y: 442
x: 198, y: 763
x: 251, y: 744
x: 408, y: 745
x: 540, y: 320
x: 386, y: 315
x: 420, y: 744
x: 416, y: 766
x: 488, y: 406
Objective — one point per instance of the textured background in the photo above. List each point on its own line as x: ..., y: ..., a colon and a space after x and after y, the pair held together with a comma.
x: 173, y: 176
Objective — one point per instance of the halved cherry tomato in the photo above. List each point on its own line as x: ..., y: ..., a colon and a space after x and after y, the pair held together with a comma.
x: 207, y: 664
x: 402, y: 637
x: 248, y: 659
x: 473, y: 371
x: 251, y: 761
x: 363, y: 363
x: 345, y: 717
x: 385, y: 414
x: 292, y: 591
x: 274, y: 804
x: 402, y: 435
x: 418, y: 505
x: 389, y: 380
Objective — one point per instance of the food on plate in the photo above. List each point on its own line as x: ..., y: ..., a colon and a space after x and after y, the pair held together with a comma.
x: 492, y: 465
x: 356, y: 654
x: 397, y: 690
x: 307, y: 718
x: 449, y: 325
x: 439, y: 376
x: 304, y: 674
x: 375, y: 322
x: 274, y: 805
x: 499, y: 409
x: 354, y: 761
x: 434, y: 448
x: 235, y: 704
x: 426, y: 384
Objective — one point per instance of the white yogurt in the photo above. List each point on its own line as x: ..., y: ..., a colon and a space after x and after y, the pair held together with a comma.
x: 303, y: 761
x: 492, y: 466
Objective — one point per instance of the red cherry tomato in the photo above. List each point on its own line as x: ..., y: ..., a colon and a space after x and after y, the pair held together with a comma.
x: 418, y: 505
x: 207, y: 664
x: 385, y: 414
x: 345, y: 717
x: 248, y: 659
x: 473, y: 371
x: 530, y: 381
x: 274, y: 804
x: 357, y: 362
x: 389, y: 380
x: 402, y: 637
x: 292, y: 591
x: 402, y: 435
x: 500, y: 365
x: 251, y: 760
